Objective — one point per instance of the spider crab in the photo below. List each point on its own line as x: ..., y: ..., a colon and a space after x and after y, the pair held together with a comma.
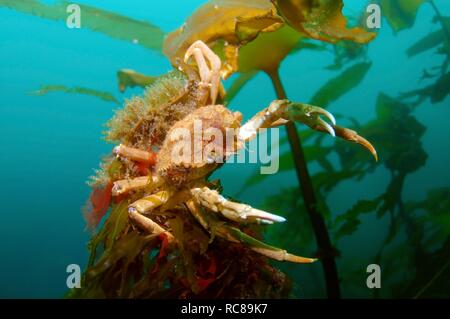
x: 171, y: 183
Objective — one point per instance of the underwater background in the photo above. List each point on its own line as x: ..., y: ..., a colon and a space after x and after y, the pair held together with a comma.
x: 51, y: 143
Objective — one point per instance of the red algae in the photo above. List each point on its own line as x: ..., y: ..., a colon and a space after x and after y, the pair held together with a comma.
x: 97, y: 204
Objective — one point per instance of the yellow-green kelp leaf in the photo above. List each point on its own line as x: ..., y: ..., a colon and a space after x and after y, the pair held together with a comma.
x: 224, y: 25
x: 321, y: 20
x: 109, y: 23
x: 340, y: 85
x: 261, y: 55
x: 232, y: 27
x: 401, y: 14
x: 251, y: 61
x: 105, y: 96
x: 266, y: 52
x: 129, y: 78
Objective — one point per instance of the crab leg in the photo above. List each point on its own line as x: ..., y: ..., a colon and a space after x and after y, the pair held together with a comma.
x: 150, y: 226
x: 234, y: 211
x: 127, y: 185
x: 210, y: 76
x: 144, y: 205
x: 135, y: 154
x: 149, y: 203
x: 213, y: 225
x: 280, y: 112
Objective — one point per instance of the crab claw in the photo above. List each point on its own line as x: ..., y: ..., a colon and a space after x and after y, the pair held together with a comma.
x: 234, y: 211
x: 310, y: 115
x: 280, y: 112
x: 352, y: 136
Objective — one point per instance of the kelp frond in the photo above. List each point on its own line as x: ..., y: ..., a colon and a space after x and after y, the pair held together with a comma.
x: 105, y: 96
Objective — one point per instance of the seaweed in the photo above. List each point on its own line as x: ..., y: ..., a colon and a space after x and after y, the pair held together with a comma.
x: 108, y: 23
x: 439, y: 40
x: 341, y: 84
x: 129, y: 79
x: 105, y: 96
x: 401, y: 14
x: 127, y: 263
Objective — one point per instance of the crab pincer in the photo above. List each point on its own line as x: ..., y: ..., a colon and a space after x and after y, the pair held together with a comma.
x: 234, y: 211
x: 280, y: 112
